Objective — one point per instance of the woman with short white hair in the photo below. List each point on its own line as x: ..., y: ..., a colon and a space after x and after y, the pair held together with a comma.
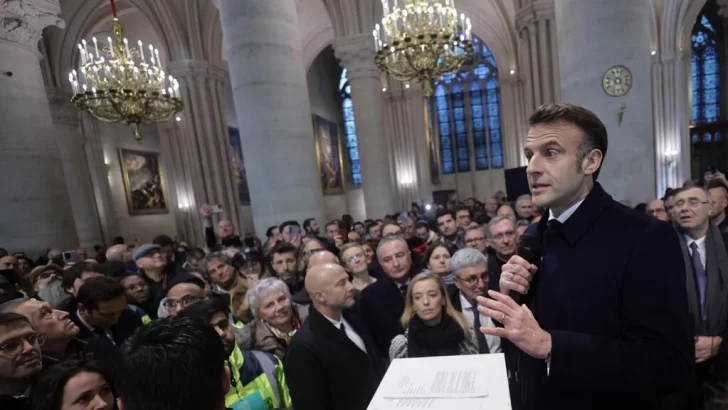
x: 276, y: 318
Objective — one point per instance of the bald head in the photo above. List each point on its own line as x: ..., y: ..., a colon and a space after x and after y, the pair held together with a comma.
x: 322, y: 257
x: 118, y: 253
x: 330, y: 289
x: 321, y: 276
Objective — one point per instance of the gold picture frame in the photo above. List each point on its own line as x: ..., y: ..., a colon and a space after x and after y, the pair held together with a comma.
x: 145, y: 185
x: 327, y: 137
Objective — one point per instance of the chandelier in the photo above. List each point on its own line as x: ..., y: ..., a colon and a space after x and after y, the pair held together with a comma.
x: 117, y: 82
x: 422, y: 40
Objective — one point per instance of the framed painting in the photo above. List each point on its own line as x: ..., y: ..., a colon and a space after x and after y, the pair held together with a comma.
x: 144, y: 182
x: 241, y: 177
x: 328, y: 155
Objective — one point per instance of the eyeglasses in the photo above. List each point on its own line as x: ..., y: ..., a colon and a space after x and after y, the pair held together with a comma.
x: 184, y: 302
x: 474, y: 240
x: 692, y: 202
x: 473, y: 280
x: 501, y: 236
x: 13, y: 347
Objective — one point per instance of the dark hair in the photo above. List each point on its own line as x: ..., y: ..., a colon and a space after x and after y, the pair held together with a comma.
x: 595, y: 133
x: 444, y: 212
x: 10, y: 317
x: 269, y: 231
x: 96, y: 290
x: 464, y: 208
x: 307, y: 223
x: 422, y: 224
x: 716, y: 184
x: 194, y: 254
x: 163, y: 240
x: 118, y: 240
x: 391, y: 224
x: 334, y: 222
x: 357, y: 223
x: 431, y: 250
x: 288, y: 223
x: 176, y: 363
x: 282, y: 247
x: 114, y: 269
x: 205, y: 309
x: 47, y: 393
x: 74, y: 272
x: 369, y: 226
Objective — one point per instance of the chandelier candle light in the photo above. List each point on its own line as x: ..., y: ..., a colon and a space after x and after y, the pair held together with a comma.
x: 117, y: 82
x: 422, y: 40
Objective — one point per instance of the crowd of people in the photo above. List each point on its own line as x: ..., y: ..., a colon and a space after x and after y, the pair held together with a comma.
x: 309, y: 318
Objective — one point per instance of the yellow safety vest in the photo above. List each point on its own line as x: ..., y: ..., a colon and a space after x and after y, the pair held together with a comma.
x: 255, y: 371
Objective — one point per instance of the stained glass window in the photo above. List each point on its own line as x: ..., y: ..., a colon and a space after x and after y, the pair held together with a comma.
x: 705, y: 65
x: 352, y: 145
x: 468, y: 114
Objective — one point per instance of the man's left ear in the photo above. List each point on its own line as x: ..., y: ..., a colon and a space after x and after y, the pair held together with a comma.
x: 591, y: 162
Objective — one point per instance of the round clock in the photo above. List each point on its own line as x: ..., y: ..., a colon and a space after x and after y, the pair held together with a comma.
x: 617, y: 81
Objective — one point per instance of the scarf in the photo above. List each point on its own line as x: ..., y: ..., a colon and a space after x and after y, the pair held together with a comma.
x: 443, y: 339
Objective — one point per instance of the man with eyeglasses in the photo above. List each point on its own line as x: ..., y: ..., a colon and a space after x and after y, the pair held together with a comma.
x: 20, y: 360
x: 183, y: 291
x: 706, y: 263
x: 503, y: 242
x: 656, y: 208
x: 475, y: 238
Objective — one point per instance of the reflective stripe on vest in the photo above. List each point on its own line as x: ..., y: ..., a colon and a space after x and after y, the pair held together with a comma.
x: 249, y: 373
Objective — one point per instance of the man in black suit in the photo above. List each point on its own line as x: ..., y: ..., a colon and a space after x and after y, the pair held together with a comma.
x: 706, y: 261
x: 611, y: 327
x: 381, y: 304
x: 332, y: 362
x: 102, y: 316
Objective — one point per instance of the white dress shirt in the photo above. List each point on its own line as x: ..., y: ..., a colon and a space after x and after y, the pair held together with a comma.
x: 701, y: 248
x: 353, y: 336
x: 566, y: 214
x: 494, y: 342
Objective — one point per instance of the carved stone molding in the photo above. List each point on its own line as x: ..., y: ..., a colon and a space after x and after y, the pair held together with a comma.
x: 356, y: 54
x: 63, y: 111
x: 197, y: 68
x: 23, y: 21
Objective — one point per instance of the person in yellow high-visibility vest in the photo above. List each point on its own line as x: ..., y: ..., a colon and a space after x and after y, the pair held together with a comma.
x: 251, y: 372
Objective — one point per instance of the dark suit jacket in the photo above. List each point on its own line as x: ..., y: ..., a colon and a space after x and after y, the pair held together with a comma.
x: 381, y: 306
x: 325, y: 370
x: 611, y: 292
x: 128, y: 323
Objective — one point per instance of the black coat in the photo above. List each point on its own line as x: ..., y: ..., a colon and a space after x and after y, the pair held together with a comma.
x: 381, y: 306
x: 103, y: 350
x: 611, y: 292
x: 325, y: 370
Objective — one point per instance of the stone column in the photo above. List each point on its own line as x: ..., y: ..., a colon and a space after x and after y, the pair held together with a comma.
x: 199, y: 146
x: 36, y: 210
x: 356, y: 54
x: 536, y: 22
x: 268, y: 79
x: 593, y: 36
x: 75, y: 167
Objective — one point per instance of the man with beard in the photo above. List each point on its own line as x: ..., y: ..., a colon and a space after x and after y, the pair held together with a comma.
x: 47, y: 285
x: 251, y: 372
x: 310, y: 225
x: 448, y: 228
x: 20, y: 360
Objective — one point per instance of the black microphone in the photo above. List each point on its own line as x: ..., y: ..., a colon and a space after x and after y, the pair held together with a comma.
x: 529, y: 248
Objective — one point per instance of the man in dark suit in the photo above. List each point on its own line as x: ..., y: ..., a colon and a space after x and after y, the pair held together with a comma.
x: 611, y: 327
x: 332, y: 362
x: 381, y: 304
x: 706, y: 261
x: 102, y: 316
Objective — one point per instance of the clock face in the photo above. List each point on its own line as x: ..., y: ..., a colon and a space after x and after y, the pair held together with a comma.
x: 617, y: 81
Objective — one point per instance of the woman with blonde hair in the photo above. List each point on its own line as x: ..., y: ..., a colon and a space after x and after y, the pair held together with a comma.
x: 432, y: 326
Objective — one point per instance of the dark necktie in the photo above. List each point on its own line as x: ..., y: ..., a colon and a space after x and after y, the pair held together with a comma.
x: 553, y: 225
x: 700, y: 276
x: 342, y: 329
x: 482, y: 343
x: 403, y: 290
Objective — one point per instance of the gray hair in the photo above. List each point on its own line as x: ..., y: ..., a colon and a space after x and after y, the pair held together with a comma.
x: 522, y: 222
x: 705, y: 191
x: 465, y: 258
x: 497, y: 219
x: 522, y: 197
x: 262, y: 289
x: 217, y: 256
x: 475, y: 228
x: 390, y: 239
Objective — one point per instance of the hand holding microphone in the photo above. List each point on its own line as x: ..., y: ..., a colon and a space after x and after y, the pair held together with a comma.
x: 517, y: 273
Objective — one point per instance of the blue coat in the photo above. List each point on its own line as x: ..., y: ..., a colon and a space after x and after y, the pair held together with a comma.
x: 611, y: 292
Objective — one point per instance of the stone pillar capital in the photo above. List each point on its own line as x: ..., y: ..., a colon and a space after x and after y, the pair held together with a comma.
x: 537, y: 11
x: 23, y: 21
x: 63, y: 112
x: 183, y: 69
x: 356, y: 54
